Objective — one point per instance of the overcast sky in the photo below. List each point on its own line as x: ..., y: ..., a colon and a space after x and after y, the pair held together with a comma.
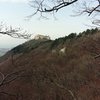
x: 14, y: 1
x: 15, y: 12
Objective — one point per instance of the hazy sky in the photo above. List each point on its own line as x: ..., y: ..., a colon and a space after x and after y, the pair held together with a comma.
x: 14, y: 12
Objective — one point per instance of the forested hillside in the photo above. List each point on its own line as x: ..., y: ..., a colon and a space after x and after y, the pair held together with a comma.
x: 67, y: 68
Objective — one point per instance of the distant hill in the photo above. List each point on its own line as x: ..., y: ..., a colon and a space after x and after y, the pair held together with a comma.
x: 62, y: 69
x: 3, y: 51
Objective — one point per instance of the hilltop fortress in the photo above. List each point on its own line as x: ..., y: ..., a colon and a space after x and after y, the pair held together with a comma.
x: 41, y: 37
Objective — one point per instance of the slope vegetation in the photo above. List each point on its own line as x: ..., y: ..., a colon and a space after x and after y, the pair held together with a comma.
x: 67, y: 68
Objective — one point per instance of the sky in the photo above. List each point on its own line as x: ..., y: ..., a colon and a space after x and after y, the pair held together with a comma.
x: 15, y: 12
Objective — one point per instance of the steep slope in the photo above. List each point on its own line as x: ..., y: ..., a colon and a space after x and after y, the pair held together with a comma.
x: 63, y: 69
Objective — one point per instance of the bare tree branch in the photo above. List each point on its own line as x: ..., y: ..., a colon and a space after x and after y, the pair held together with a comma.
x: 17, y: 96
x: 97, y: 56
x: 69, y: 91
x: 5, y: 79
x: 90, y: 7
x: 59, y: 83
x: 8, y: 78
x: 8, y: 94
x: 14, y: 32
x: 43, y: 6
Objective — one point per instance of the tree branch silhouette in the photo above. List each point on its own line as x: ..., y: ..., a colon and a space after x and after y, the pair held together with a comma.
x: 14, y: 32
